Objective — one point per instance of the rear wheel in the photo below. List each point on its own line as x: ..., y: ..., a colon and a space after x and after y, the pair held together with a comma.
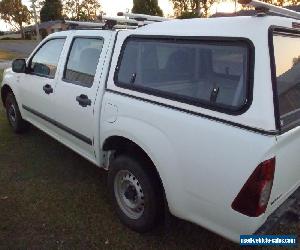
x: 13, y: 114
x: 136, y: 193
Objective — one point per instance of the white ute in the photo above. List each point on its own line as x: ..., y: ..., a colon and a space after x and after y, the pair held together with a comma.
x: 200, y: 116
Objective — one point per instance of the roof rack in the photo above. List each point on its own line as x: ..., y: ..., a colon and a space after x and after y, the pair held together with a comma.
x: 84, y: 24
x: 142, y: 17
x: 130, y: 21
x: 262, y: 7
x: 110, y: 24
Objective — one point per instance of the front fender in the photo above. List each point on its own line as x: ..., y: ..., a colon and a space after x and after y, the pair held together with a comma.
x: 10, y: 79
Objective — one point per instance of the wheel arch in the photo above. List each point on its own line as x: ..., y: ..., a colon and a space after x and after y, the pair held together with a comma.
x: 4, y: 92
x: 127, y: 144
x: 122, y: 144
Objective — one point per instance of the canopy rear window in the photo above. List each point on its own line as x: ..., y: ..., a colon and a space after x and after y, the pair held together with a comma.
x: 287, y: 62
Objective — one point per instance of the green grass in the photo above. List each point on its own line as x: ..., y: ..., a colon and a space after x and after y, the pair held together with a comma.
x: 51, y: 198
x: 1, y: 75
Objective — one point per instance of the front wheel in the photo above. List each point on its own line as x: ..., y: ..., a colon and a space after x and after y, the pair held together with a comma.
x: 136, y: 193
x: 13, y: 114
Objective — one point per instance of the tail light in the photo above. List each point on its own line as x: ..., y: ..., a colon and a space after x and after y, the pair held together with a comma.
x: 253, y: 198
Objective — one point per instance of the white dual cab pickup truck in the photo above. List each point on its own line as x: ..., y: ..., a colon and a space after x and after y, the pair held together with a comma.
x: 197, y: 116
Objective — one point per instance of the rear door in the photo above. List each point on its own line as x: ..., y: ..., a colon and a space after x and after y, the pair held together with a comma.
x: 287, y: 111
x: 77, y: 89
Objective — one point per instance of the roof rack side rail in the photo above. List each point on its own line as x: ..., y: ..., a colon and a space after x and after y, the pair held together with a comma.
x: 85, y: 24
x: 142, y: 17
x: 120, y: 20
x: 121, y: 27
x: 109, y: 24
x: 130, y: 22
x: 259, y: 5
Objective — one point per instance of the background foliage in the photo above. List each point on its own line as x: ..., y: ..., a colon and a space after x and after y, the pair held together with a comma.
x: 14, y: 13
x: 148, y: 7
x: 52, y: 10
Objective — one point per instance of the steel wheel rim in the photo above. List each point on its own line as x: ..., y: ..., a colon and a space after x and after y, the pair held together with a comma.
x: 12, y: 114
x: 129, y: 194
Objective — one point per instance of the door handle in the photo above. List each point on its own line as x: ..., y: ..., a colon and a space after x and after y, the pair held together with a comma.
x: 48, y: 89
x: 83, y: 100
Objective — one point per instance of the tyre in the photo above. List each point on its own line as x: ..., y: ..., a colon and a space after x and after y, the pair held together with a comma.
x: 136, y: 193
x: 13, y: 115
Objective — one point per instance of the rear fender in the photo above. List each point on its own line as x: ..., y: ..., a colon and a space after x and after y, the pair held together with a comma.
x: 146, y: 137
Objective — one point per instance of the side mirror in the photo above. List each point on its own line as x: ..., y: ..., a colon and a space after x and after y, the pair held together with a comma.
x: 19, y: 66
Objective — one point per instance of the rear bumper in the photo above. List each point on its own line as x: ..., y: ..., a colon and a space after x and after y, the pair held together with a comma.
x: 287, y: 212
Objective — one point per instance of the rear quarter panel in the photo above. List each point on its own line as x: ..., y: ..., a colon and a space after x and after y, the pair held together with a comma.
x: 287, y: 172
x: 203, y: 163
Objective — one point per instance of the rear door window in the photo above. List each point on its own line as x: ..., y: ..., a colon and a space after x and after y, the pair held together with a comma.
x: 209, y: 73
x: 287, y: 61
x: 83, y: 61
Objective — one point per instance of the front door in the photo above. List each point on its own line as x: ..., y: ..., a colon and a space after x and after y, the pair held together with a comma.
x: 77, y: 88
x: 37, y: 86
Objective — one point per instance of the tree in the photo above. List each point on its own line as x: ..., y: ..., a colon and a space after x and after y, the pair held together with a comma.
x: 148, y: 7
x: 89, y: 9
x: 187, y: 15
x: 72, y: 9
x: 38, y: 6
x: 205, y: 5
x: 192, y: 8
x: 81, y: 10
x: 14, y: 13
x: 282, y: 2
x: 182, y: 7
x: 52, y: 10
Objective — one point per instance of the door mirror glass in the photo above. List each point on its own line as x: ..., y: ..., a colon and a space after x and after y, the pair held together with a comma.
x: 19, y: 66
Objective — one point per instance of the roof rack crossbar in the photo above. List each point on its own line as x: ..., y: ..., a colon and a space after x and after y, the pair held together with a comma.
x: 142, y: 17
x: 259, y: 5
